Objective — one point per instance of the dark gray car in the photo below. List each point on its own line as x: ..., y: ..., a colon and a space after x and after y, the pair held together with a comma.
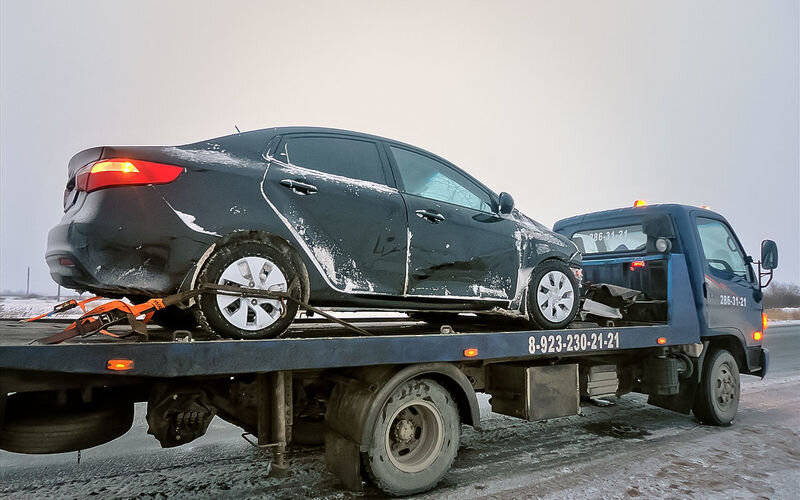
x: 340, y: 219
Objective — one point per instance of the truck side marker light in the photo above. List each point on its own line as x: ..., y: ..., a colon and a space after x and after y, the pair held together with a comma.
x: 636, y: 264
x: 662, y: 340
x: 120, y: 365
x: 757, y: 336
x: 764, y: 322
x: 470, y: 352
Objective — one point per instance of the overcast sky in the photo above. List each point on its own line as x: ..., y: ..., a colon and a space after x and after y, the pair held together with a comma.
x: 570, y: 106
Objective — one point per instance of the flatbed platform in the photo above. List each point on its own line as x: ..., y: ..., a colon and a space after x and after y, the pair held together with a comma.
x: 316, y: 344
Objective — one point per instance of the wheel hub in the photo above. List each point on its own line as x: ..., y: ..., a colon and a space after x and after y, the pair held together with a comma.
x: 414, y: 436
x: 404, y: 431
x: 252, y: 313
x: 555, y: 296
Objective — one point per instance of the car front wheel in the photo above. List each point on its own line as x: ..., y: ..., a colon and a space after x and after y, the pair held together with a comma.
x: 553, y: 295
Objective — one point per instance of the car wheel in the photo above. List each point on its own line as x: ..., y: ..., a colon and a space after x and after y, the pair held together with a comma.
x: 249, y: 264
x: 415, y: 439
x: 718, y: 395
x: 553, y: 295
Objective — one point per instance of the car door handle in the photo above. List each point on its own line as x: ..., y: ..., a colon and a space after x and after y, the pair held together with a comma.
x: 299, y: 187
x: 433, y: 217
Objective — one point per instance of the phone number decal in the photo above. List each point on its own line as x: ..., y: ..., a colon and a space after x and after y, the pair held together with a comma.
x: 573, y: 342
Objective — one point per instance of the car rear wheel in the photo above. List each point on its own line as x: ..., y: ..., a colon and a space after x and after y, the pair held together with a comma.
x: 553, y: 295
x: 248, y: 264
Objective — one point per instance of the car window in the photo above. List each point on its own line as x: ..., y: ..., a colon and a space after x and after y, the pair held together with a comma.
x: 351, y: 158
x: 426, y: 177
x: 611, y: 239
x: 723, y: 254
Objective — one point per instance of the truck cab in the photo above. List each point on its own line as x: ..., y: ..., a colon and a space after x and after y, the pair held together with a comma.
x: 634, y: 248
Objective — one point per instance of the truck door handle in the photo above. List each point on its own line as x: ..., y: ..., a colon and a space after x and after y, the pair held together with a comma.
x: 299, y: 187
x: 433, y: 217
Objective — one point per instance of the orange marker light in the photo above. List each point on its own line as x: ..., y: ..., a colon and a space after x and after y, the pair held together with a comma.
x: 470, y: 352
x: 662, y: 340
x: 757, y: 336
x: 636, y: 264
x: 764, y: 322
x: 639, y: 203
x: 120, y: 365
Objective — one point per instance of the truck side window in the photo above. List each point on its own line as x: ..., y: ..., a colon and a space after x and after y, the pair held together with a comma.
x: 724, y: 256
x: 352, y: 158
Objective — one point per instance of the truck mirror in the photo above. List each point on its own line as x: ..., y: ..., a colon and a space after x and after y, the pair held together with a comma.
x: 769, y: 254
x: 506, y: 204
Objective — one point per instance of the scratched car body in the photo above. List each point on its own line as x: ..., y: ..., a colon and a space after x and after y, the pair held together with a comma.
x: 339, y: 219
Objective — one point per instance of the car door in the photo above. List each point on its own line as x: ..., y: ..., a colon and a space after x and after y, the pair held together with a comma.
x: 458, y: 245
x: 333, y: 193
x: 733, y: 298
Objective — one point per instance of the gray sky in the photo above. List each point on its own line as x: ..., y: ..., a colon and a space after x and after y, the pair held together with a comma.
x: 569, y: 106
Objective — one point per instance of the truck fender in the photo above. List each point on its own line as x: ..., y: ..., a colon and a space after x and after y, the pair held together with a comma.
x: 359, y: 396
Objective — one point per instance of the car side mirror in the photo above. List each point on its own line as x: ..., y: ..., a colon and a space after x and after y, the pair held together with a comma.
x: 506, y: 204
x: 769, y: 254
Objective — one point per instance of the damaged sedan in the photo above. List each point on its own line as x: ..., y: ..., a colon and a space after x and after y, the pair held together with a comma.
x: 336, y: 219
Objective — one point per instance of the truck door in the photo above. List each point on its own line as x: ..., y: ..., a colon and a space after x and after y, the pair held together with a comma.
x: 332, y: 191
x: 458, y: 245
x: 733, y: 298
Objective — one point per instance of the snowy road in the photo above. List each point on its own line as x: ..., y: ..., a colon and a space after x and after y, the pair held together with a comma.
x: 626, y: 450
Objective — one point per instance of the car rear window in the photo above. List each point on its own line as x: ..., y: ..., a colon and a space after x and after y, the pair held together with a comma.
x: 611, y: 239
x: 351, y: 158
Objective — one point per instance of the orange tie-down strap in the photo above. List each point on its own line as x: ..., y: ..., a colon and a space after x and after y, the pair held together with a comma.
x: 106, y: 315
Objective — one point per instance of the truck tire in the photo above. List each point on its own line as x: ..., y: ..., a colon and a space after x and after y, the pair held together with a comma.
x: 718, y: 394
x: 31, y: 429
x: 253, y: 264
x: 553, y: 295
x: 415, y: 438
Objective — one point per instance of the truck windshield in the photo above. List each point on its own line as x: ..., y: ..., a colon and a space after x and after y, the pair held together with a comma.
x: 612, y: 239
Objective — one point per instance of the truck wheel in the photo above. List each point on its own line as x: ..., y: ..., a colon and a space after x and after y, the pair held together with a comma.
x: 415, y: 438
x: 31, y: 429
x: 553, y: 295
x: 718, y: 395
x: 250, y: 264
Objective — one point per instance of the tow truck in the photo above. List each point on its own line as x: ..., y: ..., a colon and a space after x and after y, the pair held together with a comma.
x: 672, y: 308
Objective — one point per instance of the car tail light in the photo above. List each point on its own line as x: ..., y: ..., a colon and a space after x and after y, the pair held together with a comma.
x: 123, y: 172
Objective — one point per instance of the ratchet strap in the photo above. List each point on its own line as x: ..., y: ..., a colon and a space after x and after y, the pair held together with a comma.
x: 116, y: 311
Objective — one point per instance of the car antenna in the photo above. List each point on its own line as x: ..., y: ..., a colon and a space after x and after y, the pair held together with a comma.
x: 237, y: 129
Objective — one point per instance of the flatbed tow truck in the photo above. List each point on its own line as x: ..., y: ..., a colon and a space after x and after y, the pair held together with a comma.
x: 681, y: 319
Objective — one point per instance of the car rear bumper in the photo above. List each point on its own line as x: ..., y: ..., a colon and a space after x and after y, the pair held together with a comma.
x: 120, y: 255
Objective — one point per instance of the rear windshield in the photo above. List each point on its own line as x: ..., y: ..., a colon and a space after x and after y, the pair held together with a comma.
x: 611, y: 239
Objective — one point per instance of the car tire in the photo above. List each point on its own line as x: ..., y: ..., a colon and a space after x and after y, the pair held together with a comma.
x: 247, y: 317
x: 717, y: 399
x: 414, y: 440
x: 553, y: 295
x: 37, y: 429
